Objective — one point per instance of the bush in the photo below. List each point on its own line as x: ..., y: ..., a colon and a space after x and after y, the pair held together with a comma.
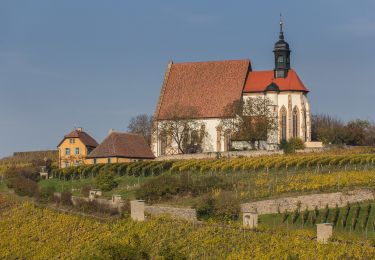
x: 224, y: 206
x: 95, y: 207
x: 66, y: 198
x: 46, y: 194
x: 85, y: 190
x: 292, y: 145
x: 24, y: 187
x: 106, y: 180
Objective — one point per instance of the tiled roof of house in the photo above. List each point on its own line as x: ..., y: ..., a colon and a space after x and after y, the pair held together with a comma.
x: 204, y: 87
x: 258, y: 81
x: 123, y: 145
x: 83, y: 136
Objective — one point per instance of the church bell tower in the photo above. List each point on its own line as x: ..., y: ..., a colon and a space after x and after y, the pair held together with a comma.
x: 282, y: 55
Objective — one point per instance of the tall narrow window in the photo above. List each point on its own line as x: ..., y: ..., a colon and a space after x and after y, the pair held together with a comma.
x: 76, y: 150
x: 305, y: 125
x: 283, y: 123
x: 295, y: 122
x: 218, y: 139
x: 67, y: 151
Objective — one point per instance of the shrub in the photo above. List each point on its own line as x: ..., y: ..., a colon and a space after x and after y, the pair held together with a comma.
x: 106, y: 180
x: 46, y: 194
x: 66, y: 198
x: 292, y: 145
x: 85, y: 190
x: 24, y: 187
x: 224, y: 206
x: 227, y: 206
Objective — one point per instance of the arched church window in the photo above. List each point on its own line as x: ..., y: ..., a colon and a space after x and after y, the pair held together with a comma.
x: 295, y: 122
x: 305, y: 125
x: 283, y: 123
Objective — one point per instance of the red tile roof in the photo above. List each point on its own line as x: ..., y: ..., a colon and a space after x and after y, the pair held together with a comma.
x: 83, y: 136
x: 206, y: 87
x: 123, y: 145
x: 258, y: 81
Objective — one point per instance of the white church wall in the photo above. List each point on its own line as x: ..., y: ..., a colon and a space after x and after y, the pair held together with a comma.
x: 209, y: 142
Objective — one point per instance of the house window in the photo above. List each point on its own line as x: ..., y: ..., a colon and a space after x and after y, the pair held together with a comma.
x: 72, y: 140
x: 76, y: 150
x: 67, y: 151
x: 109, y: 160
x: 66, y: 164
x: 94, y: 161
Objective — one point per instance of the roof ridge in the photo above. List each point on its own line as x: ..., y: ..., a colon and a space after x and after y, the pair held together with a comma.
x: 209, y: 61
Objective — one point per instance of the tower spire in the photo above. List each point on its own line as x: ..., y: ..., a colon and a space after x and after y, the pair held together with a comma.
x: 282, y: 54
x: 281, y: 36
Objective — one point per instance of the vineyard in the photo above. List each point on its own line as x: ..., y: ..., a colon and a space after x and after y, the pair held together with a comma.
x: 352, y: 220
x: 30, y: 232
x: 313, y: 163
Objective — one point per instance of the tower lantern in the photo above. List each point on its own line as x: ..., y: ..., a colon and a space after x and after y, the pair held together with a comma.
x: 282, y: 55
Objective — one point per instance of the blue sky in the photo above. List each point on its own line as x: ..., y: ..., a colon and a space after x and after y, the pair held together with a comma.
x: 95, y: 63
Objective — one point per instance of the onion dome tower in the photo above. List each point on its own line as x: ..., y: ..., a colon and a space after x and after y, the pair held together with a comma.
x: 282, y: 55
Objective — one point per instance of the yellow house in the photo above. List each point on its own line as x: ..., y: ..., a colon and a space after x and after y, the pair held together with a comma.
x: 121, y: 147
x: 75, y: 147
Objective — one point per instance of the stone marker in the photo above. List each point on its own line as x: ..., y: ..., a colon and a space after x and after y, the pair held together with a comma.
x: 137, y: 210
x: 94, y: 193
x: 250, y: 219
x: 324, y: 232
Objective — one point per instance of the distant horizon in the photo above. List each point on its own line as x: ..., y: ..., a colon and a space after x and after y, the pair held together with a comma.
x: 95, y: 64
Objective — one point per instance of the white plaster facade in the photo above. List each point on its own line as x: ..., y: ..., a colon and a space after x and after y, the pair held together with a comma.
x: 292, y: 102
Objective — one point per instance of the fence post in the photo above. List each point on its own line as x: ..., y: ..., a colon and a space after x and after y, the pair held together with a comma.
x: 250, y: 220
x: 137, y: 210
x: 324, y: 232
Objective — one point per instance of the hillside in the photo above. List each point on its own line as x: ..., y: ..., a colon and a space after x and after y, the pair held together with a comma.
x: 59, y: 235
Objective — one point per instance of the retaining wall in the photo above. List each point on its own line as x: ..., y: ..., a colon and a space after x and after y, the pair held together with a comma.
x: 214, y: 155
x: 319, y: 200
x: 183, y: 213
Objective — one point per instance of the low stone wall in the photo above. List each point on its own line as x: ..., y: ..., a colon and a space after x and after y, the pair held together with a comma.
x: 319, y: 200
x: 183, y: 213
x: 213, y: 155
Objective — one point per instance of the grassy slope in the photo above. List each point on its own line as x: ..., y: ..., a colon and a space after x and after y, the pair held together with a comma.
x: 126, y: 187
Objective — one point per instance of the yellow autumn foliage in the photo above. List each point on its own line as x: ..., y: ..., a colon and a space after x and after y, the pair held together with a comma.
x: 28, y: 232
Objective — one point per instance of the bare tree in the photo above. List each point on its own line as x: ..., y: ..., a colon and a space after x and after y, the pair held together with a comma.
x: 182, y: 128
x: 141, y: 124
x: 327, y: 129
x: 252, y: 120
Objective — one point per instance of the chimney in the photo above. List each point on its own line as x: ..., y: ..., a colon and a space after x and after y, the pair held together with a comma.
x: 111, y: 131
x: 79, y: 129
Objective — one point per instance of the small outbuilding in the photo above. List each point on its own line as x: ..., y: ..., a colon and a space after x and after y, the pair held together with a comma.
x: 121, y: 147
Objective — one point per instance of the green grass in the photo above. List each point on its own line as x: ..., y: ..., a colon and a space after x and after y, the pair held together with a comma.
x: 126, y: 185
x: 3, y: 186
x: 275, y: 221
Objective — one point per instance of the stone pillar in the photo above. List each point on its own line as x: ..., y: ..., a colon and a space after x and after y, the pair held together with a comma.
x: 137, y: 210
x: 250, y: 219
x: 324, y: 232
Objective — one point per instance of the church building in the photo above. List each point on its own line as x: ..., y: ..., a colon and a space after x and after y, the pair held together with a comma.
x: 209, y: 87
